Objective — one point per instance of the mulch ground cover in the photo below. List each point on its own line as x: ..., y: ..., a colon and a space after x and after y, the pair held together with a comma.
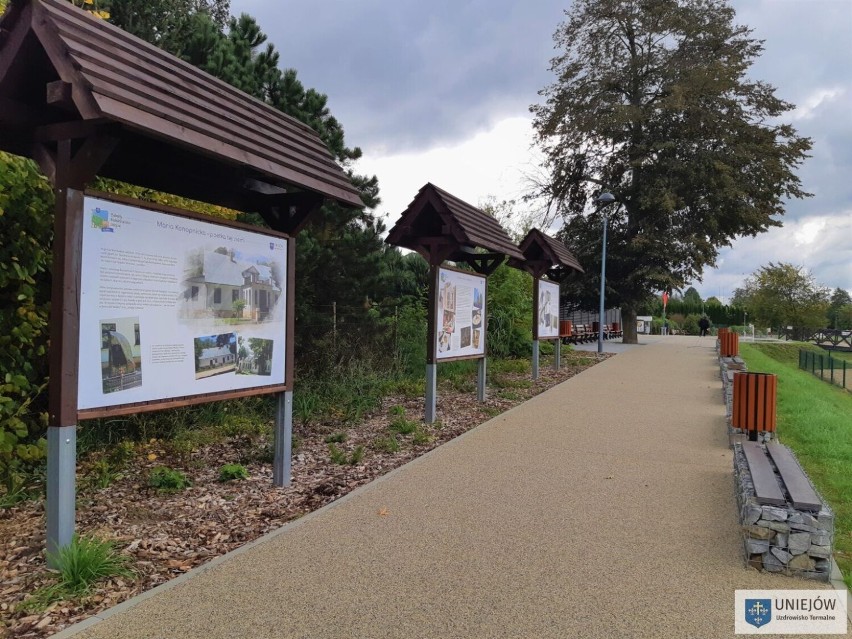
x: 167, y: 534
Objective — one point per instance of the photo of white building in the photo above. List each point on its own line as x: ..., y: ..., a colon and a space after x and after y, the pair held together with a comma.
x: 221, y: 284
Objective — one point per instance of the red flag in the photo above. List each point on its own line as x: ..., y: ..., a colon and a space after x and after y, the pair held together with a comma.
x: 665, y: 299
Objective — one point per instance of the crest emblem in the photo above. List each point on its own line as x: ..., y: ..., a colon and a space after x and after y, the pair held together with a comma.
x: 758, y: 612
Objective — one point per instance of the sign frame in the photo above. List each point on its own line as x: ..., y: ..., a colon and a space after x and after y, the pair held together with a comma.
x: 433, y: 356
x: 536, y: 309
x: 201, y: 398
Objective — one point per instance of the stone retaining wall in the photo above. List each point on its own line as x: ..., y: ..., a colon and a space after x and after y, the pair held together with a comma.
x: 782, y: 539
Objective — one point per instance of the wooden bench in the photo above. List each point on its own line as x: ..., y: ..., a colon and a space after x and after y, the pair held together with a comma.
x: 766, y: 486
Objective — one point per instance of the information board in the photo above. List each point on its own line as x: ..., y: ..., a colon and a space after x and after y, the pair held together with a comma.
x: 548, y: 310
x: 174, y: 306
x: 461, y: 315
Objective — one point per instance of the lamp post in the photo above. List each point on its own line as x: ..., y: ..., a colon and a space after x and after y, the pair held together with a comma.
x: 602, y: 201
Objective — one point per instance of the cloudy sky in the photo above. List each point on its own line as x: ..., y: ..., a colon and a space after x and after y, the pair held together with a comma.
x: 440, y: 91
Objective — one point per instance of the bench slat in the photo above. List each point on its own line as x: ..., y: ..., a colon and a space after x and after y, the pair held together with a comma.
x: 801, y: 492
x: 766, y: 487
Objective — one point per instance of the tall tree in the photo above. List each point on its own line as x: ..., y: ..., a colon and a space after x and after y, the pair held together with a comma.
x: 652, y: 102
x: 836, y: 313
x: 691, y: 296
x: 783, y: 295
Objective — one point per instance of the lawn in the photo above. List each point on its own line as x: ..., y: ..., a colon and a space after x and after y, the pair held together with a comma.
x: 815, y: 420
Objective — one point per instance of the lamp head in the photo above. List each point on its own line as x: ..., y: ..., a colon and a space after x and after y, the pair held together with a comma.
x: 605, y: 198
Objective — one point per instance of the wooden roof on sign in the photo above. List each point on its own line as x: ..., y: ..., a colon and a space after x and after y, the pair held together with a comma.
x: 441, y: 227
x: 66, y: 75
x: 543, y: 253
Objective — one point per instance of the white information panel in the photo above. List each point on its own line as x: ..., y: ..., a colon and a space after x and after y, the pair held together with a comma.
x: 173, y: 307
x: 461, y: 314
x: 548, y: 310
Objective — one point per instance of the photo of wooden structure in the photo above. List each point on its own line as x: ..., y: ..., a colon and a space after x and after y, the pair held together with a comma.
x: 83, y: 99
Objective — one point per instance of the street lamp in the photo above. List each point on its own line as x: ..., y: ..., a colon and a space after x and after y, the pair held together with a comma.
x: 602, y: 201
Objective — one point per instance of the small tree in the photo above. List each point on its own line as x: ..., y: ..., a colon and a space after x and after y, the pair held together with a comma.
x: 783, y: 295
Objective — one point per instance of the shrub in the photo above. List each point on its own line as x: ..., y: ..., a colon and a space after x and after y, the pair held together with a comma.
x: 231, y: 472
x: 26, y: 209
x: 336, y: 438
x: 168, y: 480
x: 690, y: 325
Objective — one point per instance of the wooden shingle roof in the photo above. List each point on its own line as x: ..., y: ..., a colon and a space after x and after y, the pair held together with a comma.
x: 543, y: 253
x: 164, y: 111
x: 436, y: 215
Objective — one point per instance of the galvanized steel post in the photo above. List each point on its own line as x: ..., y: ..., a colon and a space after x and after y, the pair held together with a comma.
x: 281, y: 465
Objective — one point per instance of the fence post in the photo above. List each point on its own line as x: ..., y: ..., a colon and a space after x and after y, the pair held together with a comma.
x: 821, y: 366
x: 831, y: 367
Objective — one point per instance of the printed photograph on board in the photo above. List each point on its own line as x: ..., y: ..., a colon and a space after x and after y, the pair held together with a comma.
x: 229, y: 285
x: 215, y: 355
x: 254, y: 356
x: 121, y: 354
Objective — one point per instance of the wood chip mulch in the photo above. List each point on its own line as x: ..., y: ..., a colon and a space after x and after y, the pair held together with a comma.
x: 167, y: 534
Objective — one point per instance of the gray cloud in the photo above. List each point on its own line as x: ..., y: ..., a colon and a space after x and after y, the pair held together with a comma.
x: 408, y: 76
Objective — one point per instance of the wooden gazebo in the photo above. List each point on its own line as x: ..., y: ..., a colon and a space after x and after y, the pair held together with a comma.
x: 544, y: 255
x: 83, y: 98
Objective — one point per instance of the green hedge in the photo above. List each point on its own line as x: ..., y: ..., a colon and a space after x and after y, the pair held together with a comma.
x: 26, y: 205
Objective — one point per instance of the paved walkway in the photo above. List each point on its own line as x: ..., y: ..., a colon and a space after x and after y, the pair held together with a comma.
x: 601, y: 508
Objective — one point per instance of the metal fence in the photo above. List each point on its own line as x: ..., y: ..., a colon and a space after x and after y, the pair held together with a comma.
x: 827, y: 368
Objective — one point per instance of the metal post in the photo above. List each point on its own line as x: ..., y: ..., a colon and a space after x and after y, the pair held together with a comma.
x: 480, y: 380
x: 557, y: 357
x: 431, y: 393
x: 603, y: 286
x: 281, y: 464
x: 535, y: 353
x: 61, y: 488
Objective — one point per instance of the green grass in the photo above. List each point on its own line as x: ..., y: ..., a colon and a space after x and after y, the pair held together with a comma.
x: 815, y: 420
x: 403, y: 426
x: 80, y: 564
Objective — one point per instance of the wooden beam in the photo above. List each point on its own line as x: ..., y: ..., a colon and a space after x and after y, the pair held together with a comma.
x: 81, y: 95
x: 65, y: 295
x: 90, y: 158
x: 58, y: 93
x: 46, y: 161
x: 15, y: 38
x: 71, y: 130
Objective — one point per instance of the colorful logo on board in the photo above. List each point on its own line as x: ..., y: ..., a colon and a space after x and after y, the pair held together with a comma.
x: 100, y: 220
